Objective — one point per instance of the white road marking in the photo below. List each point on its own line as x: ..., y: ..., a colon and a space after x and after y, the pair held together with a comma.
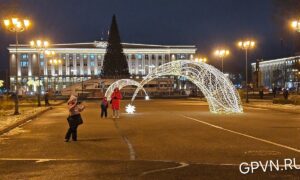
x: 245, y: 135
x: 182, y: 165
x: 132, y: 154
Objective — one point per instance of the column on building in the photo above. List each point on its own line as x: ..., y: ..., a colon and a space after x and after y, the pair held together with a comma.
x: 146, y: 60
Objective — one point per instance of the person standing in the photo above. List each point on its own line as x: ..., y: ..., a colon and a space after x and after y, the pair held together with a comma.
x: 115, y: 102
x: 261, y: 93
x: 74, y: 118
x: 285, y: 94
x: 47, y: 99
x: 104, y: 106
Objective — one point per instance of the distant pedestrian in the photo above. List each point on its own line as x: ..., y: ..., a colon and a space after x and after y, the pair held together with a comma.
x: 74, y: 118
x: 261, y: 93
x: 285, y: 94
x: 115, y: 102
x: 274, y: 92
x: 46, y: 96
x: 104, y: 106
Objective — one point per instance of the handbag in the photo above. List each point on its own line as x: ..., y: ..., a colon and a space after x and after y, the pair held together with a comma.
x: 76, y: 120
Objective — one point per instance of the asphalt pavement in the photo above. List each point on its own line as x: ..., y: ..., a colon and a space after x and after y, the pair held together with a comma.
x: 164, y: 139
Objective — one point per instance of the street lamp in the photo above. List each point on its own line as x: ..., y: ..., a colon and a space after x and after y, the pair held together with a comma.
x: 41, y: 47
x: 16, y: 25
x: 222, y: 53
x: 296, y: 25
x: 201, y: 59
x: 246, y: 45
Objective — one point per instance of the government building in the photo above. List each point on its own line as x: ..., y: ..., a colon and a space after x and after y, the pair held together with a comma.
x: 279, y: 73
x: 78, y: 62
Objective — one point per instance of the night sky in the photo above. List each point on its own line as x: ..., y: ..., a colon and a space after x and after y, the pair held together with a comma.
x: 205, y: 23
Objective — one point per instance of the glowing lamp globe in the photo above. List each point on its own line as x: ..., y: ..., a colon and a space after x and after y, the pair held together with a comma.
x: 130, y: 109
x: 147, y: 98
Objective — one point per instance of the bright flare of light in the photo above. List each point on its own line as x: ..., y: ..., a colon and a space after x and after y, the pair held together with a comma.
x: 295, y: 24
x: 222, y: 53
x: 14, y: 21
x: 6, y: 22
x: 39, y: 43
x: 130, y: 109
x: 26, y: 23
x: 32, y: 43
x: 147, y: 98
x: 46, y: 43
x: 248, y: 44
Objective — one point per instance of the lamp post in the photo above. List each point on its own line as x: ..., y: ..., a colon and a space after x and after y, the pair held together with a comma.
x: 55, y: 62
x: 49, y: 55
x: 296, y: 25
x: 246, y: 45
x: 222, y: 53
x: 201, y: 59
x: 16, y: 25
x: 40, y: 46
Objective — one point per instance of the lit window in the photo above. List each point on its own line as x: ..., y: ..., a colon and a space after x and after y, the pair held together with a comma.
x: 24, y: 56
x: 92, y: 56
x: 92, y: 63
x: 24, y: 63
x: 139, y: 56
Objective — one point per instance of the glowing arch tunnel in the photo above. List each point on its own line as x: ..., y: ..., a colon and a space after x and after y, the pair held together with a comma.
x: 122, y: 83
x: 219, y: 91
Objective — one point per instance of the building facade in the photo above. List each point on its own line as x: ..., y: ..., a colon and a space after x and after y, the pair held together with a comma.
x: 280, y: 73
x: 83, y: 61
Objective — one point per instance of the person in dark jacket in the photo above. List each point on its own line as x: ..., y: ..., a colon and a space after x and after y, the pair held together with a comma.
x: 285, y: 94
x: 74, y: 118
x: 261, y: 93
x: 104, y: 106
x: 47, y: 99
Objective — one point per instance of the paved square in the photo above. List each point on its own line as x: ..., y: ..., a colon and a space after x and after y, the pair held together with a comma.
x: 164, y: 139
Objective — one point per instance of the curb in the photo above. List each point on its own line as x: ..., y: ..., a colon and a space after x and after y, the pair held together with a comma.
x: 275, y: 109
x: 5, y: 130
x: 9, y: 128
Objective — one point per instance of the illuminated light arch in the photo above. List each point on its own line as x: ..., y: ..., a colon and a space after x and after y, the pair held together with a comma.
x: 121, y: 84
x: 219, y: 91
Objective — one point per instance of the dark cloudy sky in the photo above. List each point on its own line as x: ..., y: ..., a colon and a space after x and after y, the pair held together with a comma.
x: 205, y: 23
